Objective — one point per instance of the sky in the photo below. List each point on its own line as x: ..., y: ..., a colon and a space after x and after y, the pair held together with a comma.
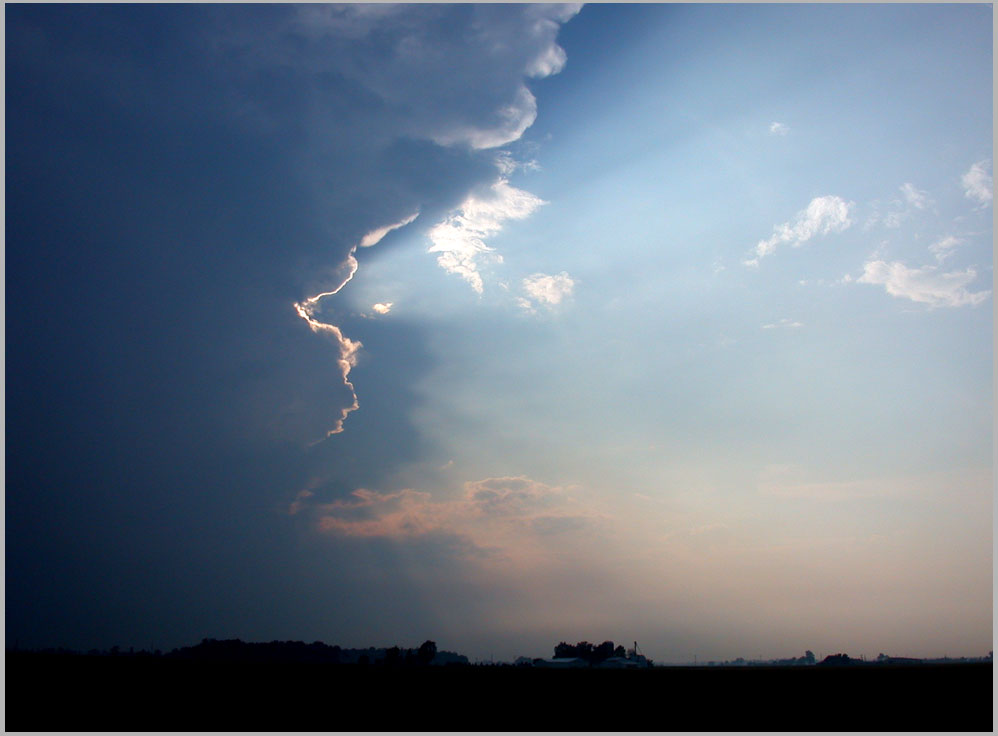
x: 501, y: 325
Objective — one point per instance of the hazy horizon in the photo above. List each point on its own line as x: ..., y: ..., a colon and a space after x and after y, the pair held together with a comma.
x: 500, y: 326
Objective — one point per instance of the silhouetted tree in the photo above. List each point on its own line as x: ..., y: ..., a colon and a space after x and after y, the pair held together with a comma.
x: 809, y: 656
x: 603, y: 651
x: 589, y: 652
x: 837, y: 660
x: 393, y: 657
x: 427, y: 651
x: 563, y: 651
x: 584, y: 650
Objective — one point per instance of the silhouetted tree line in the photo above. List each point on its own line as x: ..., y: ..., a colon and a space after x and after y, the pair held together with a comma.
x: 839, y: 660
x: 395, y: 657
x: 114, y: 651
x: 592, y: 653
x: 274, y: 652
x: 236, y: 650
x: 807, y: 659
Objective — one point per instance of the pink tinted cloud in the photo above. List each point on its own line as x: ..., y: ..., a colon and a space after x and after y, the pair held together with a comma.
x: 493, y: 512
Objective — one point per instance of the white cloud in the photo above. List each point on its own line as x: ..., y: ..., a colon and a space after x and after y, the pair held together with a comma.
x: 943, y: 248
x: 484, y: 56
x: 382, y: 307
x: 822, y: 216
x: 459, y: 240
x: 925, y: 285
x: 369, y: 76
x: 914, y: 197
x: 779, y: 128
x: 507, y: 165
x: 547, y: 289
x: 978, y: 184
x: 508, y: 123
x: 550, y: 59
x: 788, y: 323
x: 374, y: 237
x: 348, y: 349
x: 894, y: 219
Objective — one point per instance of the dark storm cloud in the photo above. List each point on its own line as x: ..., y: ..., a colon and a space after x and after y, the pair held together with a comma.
x: 177, y: 177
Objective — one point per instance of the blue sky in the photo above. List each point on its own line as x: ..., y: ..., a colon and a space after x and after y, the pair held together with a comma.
x: 500, y: 326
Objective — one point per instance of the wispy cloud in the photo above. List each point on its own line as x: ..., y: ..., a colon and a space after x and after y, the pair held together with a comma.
x: 791, y: 481
x: 785, y: 322
x: 829, y: 491
x: 300, y: 501
x: 914, y: 196
x: 492, y: 512
x: 459, y: 240
x: 374, y: 237
x: 823, y: 215
x: 913, y: 199
x: 508, y: 165
x: 404, y: 513
x: 546, y: 289
x: 779, y: 128
x: 943, y: 248
x: 926, y: 285
x: 978, y: 183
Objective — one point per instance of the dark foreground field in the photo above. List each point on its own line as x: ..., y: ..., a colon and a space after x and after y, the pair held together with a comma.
x: 62, y: 693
